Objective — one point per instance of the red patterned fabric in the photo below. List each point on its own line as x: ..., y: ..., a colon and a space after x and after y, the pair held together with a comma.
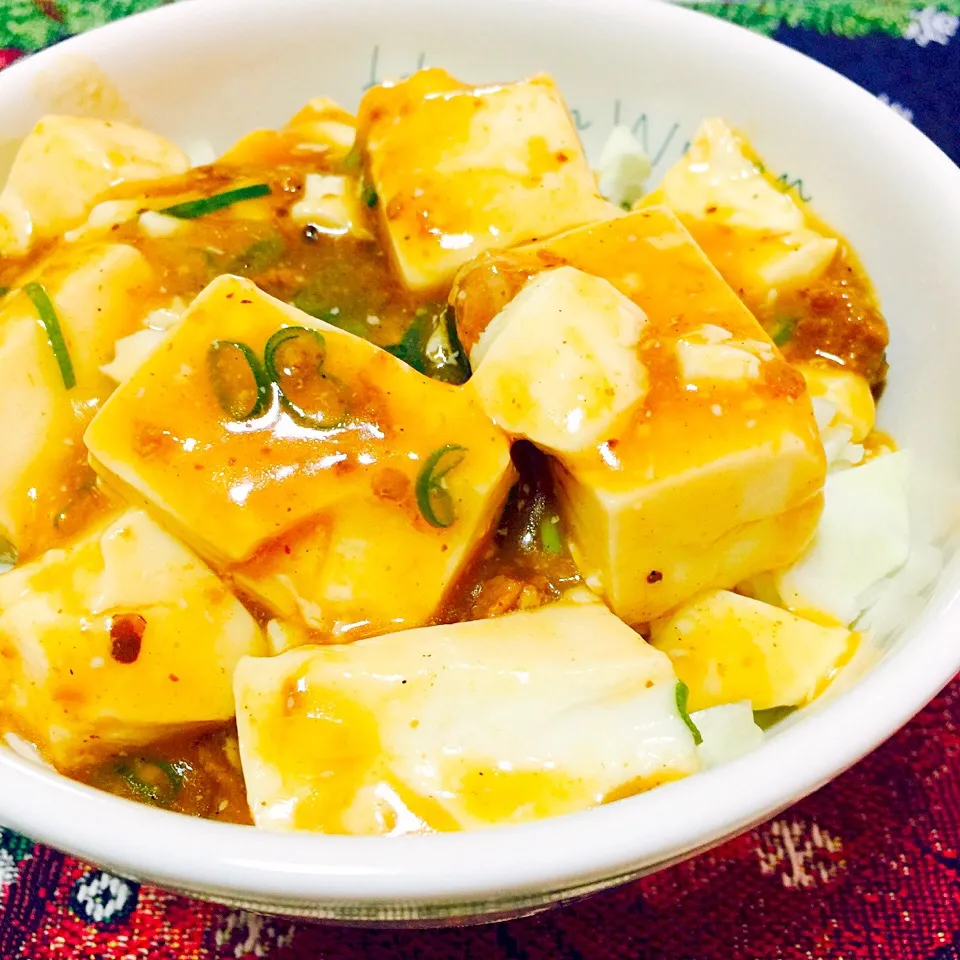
x: 869, y: 867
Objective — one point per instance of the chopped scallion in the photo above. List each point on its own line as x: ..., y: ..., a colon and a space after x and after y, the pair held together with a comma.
x: 294, y: 358
x: 51, y: 324
x: 192, y: 209
x: 369, y: 195
x: 8, y: 555
x: 433, y: 498
x: 259, y: 256
x: 550, y: 538
x: 765, y: 719
x: 411, y: 346
x: 152, y: 781
x: 352, y: 161
x: 239, y: 383
x: 682, y: 695
x: 782, y: 330
x: 430, y: 345
x: 445, y: 357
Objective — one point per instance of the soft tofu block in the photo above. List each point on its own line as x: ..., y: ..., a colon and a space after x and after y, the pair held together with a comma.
x: 758, y: 235
x: 460, y: 169
x: 121, y: 638
x: 318, y: 521
x: 727, y: 648
x: 524, y: 716
x: 322, y: 129
x: 559, y: 364
x: 100, y: 293
x: 64, y: 164
x: 695, y: 455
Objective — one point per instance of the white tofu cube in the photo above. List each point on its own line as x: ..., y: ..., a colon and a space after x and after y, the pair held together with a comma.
x: 559, y: 364
x: 64, y: 164
x: 121, y: 638
x: 99, y: 293
x: 451, y: 727
x: 354, y: 515
x: 721, y: 193
x: 696, y: 456
x: 727, y: 648
x: 462, y: 169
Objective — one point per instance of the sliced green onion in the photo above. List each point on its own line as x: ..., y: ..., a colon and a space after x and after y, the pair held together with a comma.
x: 430, y: 345
x: 765, y: 719
x: 352, y: 160
x: 51, y: 323
x: 294, y: 359
x: 369, y: 195
x: 446, y: 360
x: 410, y: 347
x: 191, y: 209
x: 313, y: 300
x: 239, y: 383
x: 782, y: 330
x: 8, y: 555
x: 4, y: 291
x: 258, y: 257
x: 550, y: 538
x: 683, y: 693
x: 152, y: 781
x: 78, y: 509
x: 433, y: 499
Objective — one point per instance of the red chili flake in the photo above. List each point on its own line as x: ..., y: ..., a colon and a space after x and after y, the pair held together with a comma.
x: 174, y: 678
x: 654, y: 576
x: 126, y: 637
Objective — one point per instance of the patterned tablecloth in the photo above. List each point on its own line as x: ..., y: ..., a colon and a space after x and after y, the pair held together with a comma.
x: 867, y: 867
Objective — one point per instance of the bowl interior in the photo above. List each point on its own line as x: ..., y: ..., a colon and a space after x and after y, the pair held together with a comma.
x: 212, y: 70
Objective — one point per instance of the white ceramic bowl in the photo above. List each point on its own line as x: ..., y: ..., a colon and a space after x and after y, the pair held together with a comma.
x: 213, y: 69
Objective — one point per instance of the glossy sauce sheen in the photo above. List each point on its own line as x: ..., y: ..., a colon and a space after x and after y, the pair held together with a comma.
x: 258, y: 500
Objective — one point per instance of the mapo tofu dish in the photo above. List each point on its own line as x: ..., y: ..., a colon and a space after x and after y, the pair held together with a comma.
x: 402, y: 472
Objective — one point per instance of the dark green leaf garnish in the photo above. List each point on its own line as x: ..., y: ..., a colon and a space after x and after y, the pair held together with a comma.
x: 765, y: 719
x: 153, y: 781
x: 191, y: 209
x: 433, y: 498
x: 782, y: 330
x: 294, y: 358
x: 368, y: 195
x: 683, y: 693
x: 8, y: 554
x: 258, y: 257
x: 239, y: 382
x: 51, y: 323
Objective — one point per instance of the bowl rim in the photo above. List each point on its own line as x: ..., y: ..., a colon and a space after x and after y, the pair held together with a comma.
x: 459, y: 874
